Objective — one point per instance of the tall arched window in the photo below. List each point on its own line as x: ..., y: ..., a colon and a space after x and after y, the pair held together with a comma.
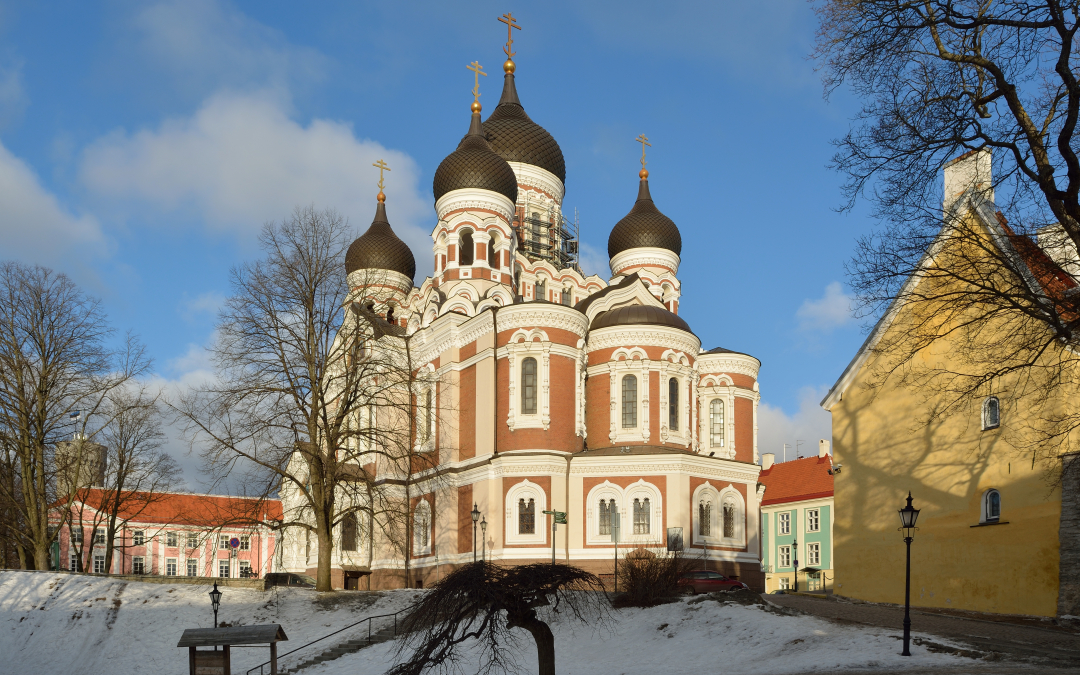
x: 991, y: 511
x: 607, y: 507
x: 540, y: 290
x: 528, y: 386
x: 348, y: 532
x: 629, y: 401
x: 673, y: 404
x: 641, y: 516
x: 991, y: 413
x: 427, y: 413
x: 421, y: 527
x: 493, y: 255
x: 527, y: 516
x: 466, y: 248
x: 705, y: 518
x: 729, y: 520
x: 716, y: 423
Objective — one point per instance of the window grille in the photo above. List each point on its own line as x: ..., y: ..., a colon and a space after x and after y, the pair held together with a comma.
x: 193, y: 568
x: 673, y: 404
x: 785, y: 523
x: 716, y: 423
x: 138, y: 538
x: 641, y: 516
x: 465, y: 255
x: 528, y: 386
x: 348, y: 532
x: 813, y: 520
x: 705, y: 519
x: 245, y: 569
x: 526, y: 516
x: 73, y: 563
x: 171, y: 539
x: 991, y: 413
x: 785, y: 583
x: 629, y: 401
x: 138, y: 565
x: 729, y: 521
x: 606, y: 507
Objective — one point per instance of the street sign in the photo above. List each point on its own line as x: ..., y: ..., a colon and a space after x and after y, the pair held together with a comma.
x: 560, y: 516
x: 234, y: 542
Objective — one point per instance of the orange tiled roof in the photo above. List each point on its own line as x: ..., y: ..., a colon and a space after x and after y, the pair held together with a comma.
x: 796, y: 481
x: 1054, y: 280
x: 174, y: 508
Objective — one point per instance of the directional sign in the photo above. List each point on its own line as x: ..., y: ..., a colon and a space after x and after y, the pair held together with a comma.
x: 234, y: 542
x: 560, y: 516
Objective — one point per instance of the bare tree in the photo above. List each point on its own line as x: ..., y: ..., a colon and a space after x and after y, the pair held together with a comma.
x: 55, y: 358
x: 484, y: 602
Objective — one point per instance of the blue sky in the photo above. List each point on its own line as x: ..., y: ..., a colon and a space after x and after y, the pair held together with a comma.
x: 143, y: 145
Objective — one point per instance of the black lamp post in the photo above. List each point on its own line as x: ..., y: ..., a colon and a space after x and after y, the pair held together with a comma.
x: 795, y: 553
x: 475, y: 513
x: 215, y: 600
x: 908, y: 515
x: 483, y: 536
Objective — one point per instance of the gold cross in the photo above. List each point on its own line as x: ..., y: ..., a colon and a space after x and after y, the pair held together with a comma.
x: 479, y: 70
x: 644, y: 141
x: 511, y: 24
x: 381, y: 166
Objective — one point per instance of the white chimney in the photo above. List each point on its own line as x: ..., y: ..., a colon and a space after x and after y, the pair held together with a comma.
x: 971, y: 170
x: 767, y: 459
x: 823, y: 448
x: 1056, y: 243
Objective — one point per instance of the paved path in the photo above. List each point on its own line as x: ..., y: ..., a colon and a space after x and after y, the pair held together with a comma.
x: 1019, y: 643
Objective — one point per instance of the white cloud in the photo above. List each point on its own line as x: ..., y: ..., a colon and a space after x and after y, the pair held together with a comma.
x: 831, y: 311
x: 593, y: 261
x: 207, y: 303
x: 810, y: 423
x: 13, y: 99
x: 240, y: 161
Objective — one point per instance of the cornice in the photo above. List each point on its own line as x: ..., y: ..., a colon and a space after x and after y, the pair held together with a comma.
x: 656, y: 336
x: 653, y: 257
x: 740, y: 364
x: 530, y: 175
x: 543, y: 315
x: 457, y: 200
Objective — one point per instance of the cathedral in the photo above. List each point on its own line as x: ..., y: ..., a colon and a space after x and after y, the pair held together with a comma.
x: 568, y: 393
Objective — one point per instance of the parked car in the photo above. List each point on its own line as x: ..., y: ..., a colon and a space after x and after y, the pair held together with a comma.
x: 707, y: 582
x: 289, y: 579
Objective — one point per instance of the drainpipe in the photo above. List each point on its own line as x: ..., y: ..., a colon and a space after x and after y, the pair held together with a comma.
x: 495, y: 380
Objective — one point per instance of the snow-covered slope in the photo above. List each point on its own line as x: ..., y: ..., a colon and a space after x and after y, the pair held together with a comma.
x: 63, y: 624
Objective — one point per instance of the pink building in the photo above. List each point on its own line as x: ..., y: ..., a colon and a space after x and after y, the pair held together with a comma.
x: 170, y: 534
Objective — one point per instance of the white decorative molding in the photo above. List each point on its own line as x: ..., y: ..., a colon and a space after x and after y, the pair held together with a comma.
x: 475, y: 198
x: 525, y: 344
x: 526, y: 490
x: 365, y: 281
x: 644, y: 336
x: 740, y: 364
x: 652, y: 257
x: 530, y: 175
x: 547, y: 316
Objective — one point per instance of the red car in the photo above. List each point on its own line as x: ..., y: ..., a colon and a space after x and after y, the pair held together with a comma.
x: 707, y: 582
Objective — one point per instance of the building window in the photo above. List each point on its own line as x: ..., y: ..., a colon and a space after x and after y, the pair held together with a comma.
x: 526, y: 516
x: 607, y: 506
x: 783, y: 558
x: 99, y: 564
x: 540, y: 290
x: 716, y: 423
x: 245, y: 542
x: 193, y: 541
x: 566, y: 297
x: 73, y: 563
x: 172, y: 539
x: 170, y: 567
x: 223, y: 569
x: 785, y: 523
x: 138, y: 538
x: 528, y: 386
x: 138, y: 565
x: 245, y: 569
x: 705, y: 518
x: 991, y: 413
x: 629, y: 401
x: 785, y: 583
x: 729, y: 521
x: 493, y: 255
x: 466, y: 249
x: 641, y: 516
x: 223, y: 542
x: 348, y: 532
x: 428, y: 403
x: 673, y: 404
x: 421, y: 527
x: 813, y: 520
x: 991, y: 511
x: 99, y: 536
x: 76, y: 535
x: 193, y: 568
x: 813, y: 554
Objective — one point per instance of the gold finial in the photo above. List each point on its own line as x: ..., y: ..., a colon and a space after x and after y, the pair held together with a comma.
x: 479, y: 70
x: 381, y: 166
x: 644, y: 141
x: 511, y: 24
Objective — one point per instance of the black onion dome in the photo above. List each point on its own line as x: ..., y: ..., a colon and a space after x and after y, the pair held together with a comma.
x: 474, y: 165
x: 516, y: 138
x: 637, y: 315
x: 644, y: 227
x: 379, y: 248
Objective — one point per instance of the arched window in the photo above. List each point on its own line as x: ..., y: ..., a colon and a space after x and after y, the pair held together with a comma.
x: 673, y: 404
x: 421, y: 527
x: 705, y: 518
x: 716, y: 423
x: 607, y: 507
x: 427, y: 413
x: 466, y: 248
x: 528, y: 386
x: 629, y: 401
x: 493, y: 255
x: 567, y: 296
x: 527, y: 516
x: 641, y: 516
x: 540, y: 290
x: 991, y: 413
x: 729, y: 520
x: 991, y: 509
x: 348, y: 532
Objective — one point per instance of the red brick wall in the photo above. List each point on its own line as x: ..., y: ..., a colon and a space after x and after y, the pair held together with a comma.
x: 597, y: 414
x: 466, y: 413
x: 464, y: 524
x: 744, y: 429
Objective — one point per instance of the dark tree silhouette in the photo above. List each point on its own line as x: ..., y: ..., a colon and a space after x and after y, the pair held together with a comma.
x: 485, y: 602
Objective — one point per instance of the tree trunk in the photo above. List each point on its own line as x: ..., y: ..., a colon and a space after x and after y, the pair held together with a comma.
x: 545, y: 643
x: 324, y: 534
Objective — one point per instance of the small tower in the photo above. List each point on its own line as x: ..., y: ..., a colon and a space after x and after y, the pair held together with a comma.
x: 80, y: 463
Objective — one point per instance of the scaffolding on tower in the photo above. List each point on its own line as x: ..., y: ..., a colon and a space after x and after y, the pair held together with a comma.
x: 543, y: 233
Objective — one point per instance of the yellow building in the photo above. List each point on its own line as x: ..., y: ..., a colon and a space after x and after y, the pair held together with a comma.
x: 991, y: 534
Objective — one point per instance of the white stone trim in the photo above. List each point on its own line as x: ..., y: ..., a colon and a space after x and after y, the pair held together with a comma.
x: 423, y: 507
x: 530, y: 175
x: 605, y: 490
x: 643, y: 336
x: 653, y: 257
x: 739, y: 364
x: 475, y: 198
x: 706, y: 492
x: 729, y: 495
x: 524, y: 344
x: 711, y: 389
x: 525, y: 489
x: 629, y: 362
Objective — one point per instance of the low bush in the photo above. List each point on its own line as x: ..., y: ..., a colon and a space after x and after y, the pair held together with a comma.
x: 647, y: 579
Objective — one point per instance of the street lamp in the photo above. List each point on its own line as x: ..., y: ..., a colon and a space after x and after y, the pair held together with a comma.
x: 795, y: 552
x: 215, y: 600
x: 908, y: 515
x: 475, y: 513
x: 483, y: 536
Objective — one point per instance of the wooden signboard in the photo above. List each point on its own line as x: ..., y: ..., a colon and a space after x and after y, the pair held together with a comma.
x: 207, y: 662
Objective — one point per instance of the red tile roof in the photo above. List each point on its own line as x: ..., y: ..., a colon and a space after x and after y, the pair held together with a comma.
x: 797, y: 480
x: 174, y: 508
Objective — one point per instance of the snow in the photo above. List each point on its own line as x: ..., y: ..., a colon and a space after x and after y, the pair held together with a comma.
x: 59, y: 623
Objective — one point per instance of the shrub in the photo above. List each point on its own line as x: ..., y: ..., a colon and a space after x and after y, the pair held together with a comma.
x: 648, y: 579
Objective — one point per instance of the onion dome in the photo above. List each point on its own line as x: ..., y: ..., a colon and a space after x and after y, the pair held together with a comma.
x: 474, y: 165
x: 379, y: 248
x: 644, y: 226
x: 516, y: 138
x: 638, y: 315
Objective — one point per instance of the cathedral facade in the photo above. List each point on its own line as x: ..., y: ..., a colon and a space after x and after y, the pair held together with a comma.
x: 554, y: 391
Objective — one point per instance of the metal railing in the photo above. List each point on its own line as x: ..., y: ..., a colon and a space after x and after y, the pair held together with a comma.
x: 262, y: 666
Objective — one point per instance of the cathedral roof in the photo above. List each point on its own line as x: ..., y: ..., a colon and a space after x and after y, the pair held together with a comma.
x: 516, y: 138
x: 644, y: 226
x: 379, y: 248
x: 636, y: 315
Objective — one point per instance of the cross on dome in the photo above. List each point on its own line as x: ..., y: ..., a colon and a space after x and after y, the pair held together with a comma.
x: 511, y: 24
x: 478, y: 70
x: 381, y: 166
x: 644, y: 141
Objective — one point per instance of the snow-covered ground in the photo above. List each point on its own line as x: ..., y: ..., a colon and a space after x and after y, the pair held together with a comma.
x: 54, y: 623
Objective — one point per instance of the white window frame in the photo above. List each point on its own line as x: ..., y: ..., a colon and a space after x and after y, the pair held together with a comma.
x: 636, y: 362
x: 813, y: 554
x: 783, y: 551
x: 986, y: 425
x: 813, y: 520
x: 192, y: 540
x: 526, y: 489
x: 244, y: 564
x: 245, y: 542
x: 641, y: 490
x: 717, y: 387
x: 172, y: 567
x: 99, y: 536
x: 984, y: 509
x: 523, y: 344
x: 785, y: 583
x: 75, y: 534
x: 73, y: 562
x: 138, y: 538
x: 675, y: 365
x: 99, y: 568
x: 192, y: 564
x: 223, y: 542
x: 422, y: 525
x: 172, y: 539
x: 138, y: 564
x: 606, y: 491
x: 223, y: 563
x: 708, y: 493
x: 729, y: 495
x: 783, y: 523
